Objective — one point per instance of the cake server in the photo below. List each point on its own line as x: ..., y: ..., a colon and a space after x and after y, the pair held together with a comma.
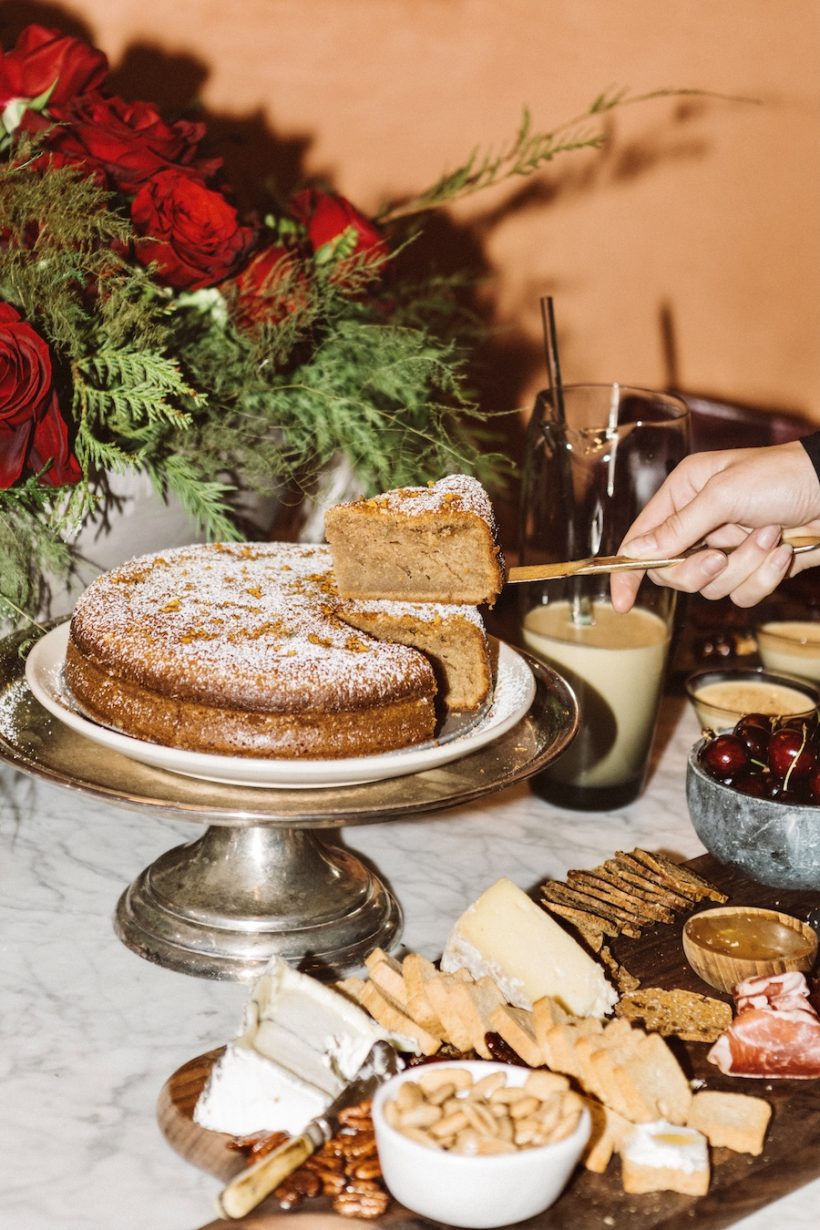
x: 623, y: 563
x: 251, y: 1186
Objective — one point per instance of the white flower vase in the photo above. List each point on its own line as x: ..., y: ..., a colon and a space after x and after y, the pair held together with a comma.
x: 336, y: 484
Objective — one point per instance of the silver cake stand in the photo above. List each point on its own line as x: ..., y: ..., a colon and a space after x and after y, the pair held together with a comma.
x: 260, y: 881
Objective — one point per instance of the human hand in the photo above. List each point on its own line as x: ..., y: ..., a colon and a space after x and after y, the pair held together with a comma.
x: 736, y: 498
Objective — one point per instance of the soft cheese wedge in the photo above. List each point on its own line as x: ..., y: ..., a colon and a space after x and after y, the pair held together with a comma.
x: 507, y: 936
x: 301, y: 1043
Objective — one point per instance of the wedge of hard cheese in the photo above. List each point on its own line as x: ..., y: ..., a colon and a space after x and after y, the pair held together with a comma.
x: 506, y: 936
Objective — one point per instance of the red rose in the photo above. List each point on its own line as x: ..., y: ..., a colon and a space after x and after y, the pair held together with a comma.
x: 129, y: 141
x: 326, y: 217
x: 270, y: 287
x: 193, y: 234
x: 42, y: 57
x: 32, y: 429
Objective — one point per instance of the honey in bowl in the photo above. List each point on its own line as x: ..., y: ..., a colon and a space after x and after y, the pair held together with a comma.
x: 731, y: 943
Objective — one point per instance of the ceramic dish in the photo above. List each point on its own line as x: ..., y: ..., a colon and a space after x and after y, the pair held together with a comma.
x: 720, y: 697
x: 514, y: 693
x: 480, y: 1191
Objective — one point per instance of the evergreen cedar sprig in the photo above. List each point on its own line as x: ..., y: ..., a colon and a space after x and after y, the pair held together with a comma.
x: 528, y: 153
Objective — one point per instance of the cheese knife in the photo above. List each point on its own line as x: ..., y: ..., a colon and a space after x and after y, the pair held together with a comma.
x: 251, y: 1186
x: 623, y: 563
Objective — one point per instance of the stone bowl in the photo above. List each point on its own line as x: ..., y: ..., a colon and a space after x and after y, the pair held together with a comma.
x: 777, y: 844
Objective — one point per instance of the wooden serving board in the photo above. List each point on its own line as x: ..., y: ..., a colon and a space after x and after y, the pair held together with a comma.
x: 740, y: 1183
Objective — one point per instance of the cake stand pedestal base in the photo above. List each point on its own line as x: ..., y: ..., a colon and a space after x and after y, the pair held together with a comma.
x: 222, y: 906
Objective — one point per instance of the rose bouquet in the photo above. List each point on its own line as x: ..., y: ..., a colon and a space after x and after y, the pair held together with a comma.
x: 146, y: 325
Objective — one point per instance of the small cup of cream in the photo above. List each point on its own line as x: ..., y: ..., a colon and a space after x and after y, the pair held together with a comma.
x: 721, y: 697
x: 790, y: 645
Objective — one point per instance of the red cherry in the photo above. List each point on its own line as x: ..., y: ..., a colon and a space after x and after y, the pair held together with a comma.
x: 775, y: 758
x: 725, y: 756
x: 790, y: 754
x: 751, y: 784
x: 755, y: 731
x: 754, y: 719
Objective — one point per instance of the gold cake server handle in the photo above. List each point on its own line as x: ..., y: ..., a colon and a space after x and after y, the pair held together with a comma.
x: 623, y: 563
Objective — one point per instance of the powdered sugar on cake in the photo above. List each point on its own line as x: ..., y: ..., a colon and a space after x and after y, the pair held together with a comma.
x: 455, y: 493
x: 225, y: 620
x: 424, y: 612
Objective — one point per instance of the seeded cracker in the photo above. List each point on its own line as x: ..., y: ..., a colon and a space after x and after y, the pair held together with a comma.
x: 684, y: 1014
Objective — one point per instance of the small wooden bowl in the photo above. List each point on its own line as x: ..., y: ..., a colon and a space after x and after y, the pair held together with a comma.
x: 722, y: 970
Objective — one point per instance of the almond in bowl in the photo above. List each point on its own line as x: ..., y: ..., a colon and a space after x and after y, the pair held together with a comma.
x: 478, y: 1144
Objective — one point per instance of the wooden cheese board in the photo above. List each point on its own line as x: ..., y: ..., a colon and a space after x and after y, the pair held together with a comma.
x: 740, y: 1183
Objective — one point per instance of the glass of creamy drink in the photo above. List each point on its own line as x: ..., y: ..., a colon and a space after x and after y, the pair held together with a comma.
x: 790, y: 645
x: 587, y: 472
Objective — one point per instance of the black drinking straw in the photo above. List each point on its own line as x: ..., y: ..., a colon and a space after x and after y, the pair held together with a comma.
x: 553, y: 361
x: 580, y: 605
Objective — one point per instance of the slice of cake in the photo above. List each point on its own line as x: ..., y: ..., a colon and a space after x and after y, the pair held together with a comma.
x: 421, y: 544
x: 452, y: 636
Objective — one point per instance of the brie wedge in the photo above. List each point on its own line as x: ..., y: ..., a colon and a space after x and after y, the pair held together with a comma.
x: 302, y: 1042
x: 505, y: 935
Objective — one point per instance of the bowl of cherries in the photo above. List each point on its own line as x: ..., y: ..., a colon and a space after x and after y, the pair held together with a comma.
x: 754, y: 798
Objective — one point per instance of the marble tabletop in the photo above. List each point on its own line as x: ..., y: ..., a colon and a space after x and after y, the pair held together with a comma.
x: 91, y: 1032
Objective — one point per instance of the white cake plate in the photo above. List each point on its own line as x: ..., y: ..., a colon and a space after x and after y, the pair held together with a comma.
x: 512, y: 696
x: 260, y: 882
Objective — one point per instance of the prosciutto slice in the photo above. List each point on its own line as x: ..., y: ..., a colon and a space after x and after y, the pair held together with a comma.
x: 776, y: 1031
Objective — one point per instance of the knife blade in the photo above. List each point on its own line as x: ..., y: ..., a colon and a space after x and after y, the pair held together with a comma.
x: 251, y: 1186
x: 623, y: 563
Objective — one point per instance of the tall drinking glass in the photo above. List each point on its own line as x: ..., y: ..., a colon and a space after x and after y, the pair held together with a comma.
x: 587, y: 473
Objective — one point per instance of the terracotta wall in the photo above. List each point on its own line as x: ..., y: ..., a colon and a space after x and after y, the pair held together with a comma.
x: 687, y: 253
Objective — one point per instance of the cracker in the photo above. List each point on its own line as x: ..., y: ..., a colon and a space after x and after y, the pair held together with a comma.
x: 555, y: 891
x: 735, y: 1121
x: 391, y: 1017
x: 605, y: 889
x: 609, y: 1129
x: 474, y: 1003
x: 386, y: 972
x: 451, y: 1010
x: 582, y: 918
x: 685, y: 1014
x: 516, y: 1027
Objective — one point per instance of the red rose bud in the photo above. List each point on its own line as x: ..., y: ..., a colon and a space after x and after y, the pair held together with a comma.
x: 128, y: 141
x: 270, y: 287
x: 193, y: 234
x: 33, y: 433
x: 43, y: 58
x: 328, y: 218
